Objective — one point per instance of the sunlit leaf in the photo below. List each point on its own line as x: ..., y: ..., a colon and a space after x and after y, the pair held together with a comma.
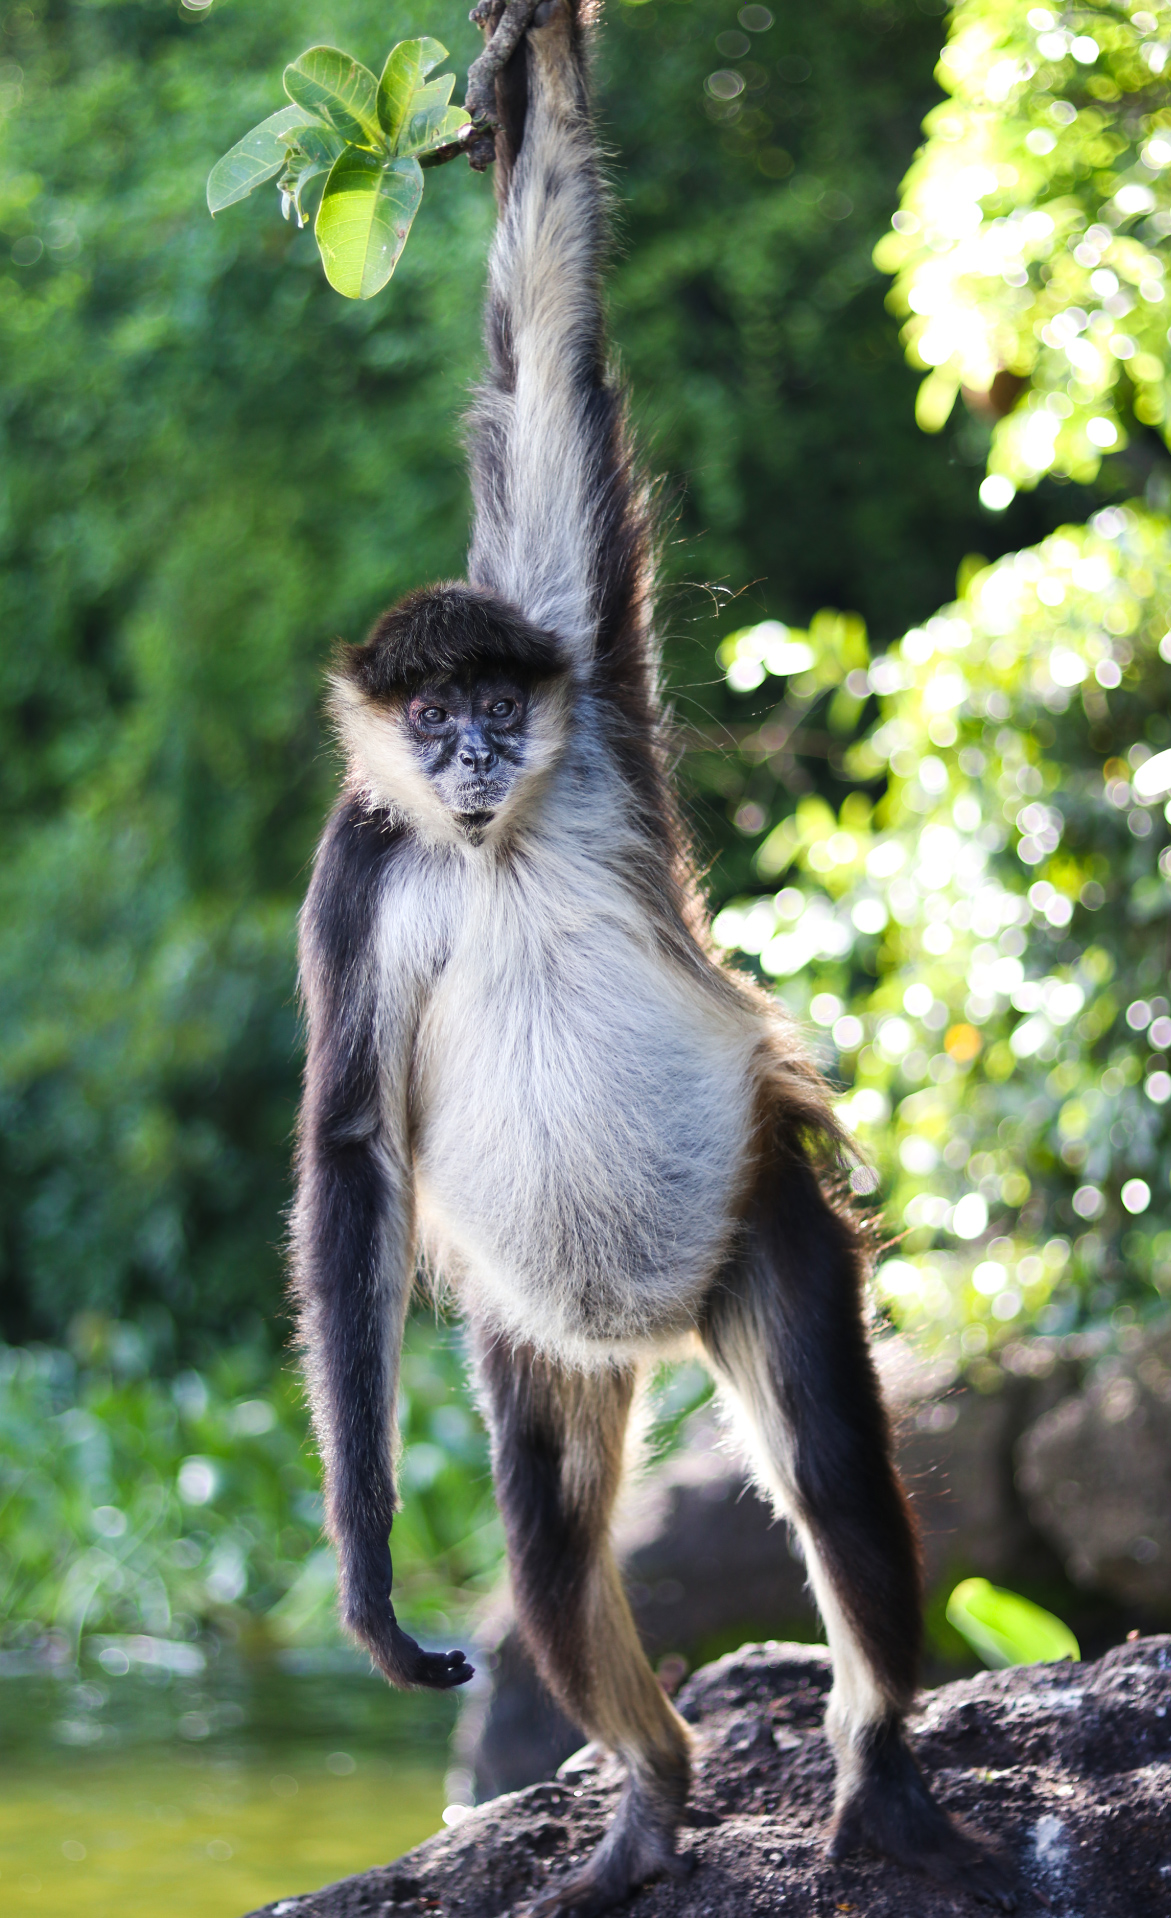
x: 1006, y: 1629
x: 255, y: 158
x: 316, y: 151
x: 401, y: 85
x: 364, y: 218
x: 338, y: 89
x: 432, y: 121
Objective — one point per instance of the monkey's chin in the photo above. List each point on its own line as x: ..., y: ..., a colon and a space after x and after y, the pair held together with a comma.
x: 473, y: 825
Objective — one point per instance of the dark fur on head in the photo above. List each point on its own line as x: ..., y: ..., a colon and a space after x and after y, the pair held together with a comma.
x: 446, y: 632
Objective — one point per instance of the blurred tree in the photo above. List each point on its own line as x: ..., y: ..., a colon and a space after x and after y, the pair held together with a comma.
x: 133, y: 1505
x: 1035, y: 233
x: 212, y: 465
x: 983, y: 931
x: 1001, y: 867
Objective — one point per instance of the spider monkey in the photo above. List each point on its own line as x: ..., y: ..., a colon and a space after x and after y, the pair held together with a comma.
x: 527, y: 1068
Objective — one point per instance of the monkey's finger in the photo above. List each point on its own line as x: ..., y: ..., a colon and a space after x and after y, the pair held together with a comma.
x: 442, y: 1671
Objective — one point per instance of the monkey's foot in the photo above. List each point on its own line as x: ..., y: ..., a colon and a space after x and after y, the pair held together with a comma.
x: 639, y: 1845
x: 888, y: 1808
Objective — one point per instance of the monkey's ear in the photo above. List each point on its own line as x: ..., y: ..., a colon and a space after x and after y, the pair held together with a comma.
x: 357, y: 669
x: 345, y: 696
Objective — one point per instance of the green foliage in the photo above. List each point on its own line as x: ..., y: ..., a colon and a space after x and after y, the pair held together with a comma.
x: 982, y: 929
x: 213, y: 467
x: 364, y: 135
x: 1008, y: 1630
x: 258, y: 157
x: 135, y: 1508
x: 1035, y: 231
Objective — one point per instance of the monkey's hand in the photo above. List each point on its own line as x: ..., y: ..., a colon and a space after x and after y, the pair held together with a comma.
x: 368, y: 1613
x: 406, y: 1664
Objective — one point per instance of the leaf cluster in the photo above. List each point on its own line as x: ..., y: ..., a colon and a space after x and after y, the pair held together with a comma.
x: 365, y: 139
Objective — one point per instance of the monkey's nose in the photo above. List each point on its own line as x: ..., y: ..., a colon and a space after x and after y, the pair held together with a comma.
x: 480, y: 762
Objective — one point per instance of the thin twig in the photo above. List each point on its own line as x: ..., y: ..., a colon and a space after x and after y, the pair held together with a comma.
x: 454, y: 150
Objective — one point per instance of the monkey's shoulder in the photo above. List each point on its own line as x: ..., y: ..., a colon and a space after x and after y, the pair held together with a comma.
x: 354, y: 856
x: 378, y: 916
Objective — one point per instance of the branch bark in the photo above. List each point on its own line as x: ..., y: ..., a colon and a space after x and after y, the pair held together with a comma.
x: 480, y: 103
x: 478, y: 141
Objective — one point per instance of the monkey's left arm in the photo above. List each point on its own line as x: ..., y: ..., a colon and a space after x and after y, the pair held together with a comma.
x: 353, y: 1227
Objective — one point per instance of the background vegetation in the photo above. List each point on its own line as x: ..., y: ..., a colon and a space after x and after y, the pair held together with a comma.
x: 213, y: 467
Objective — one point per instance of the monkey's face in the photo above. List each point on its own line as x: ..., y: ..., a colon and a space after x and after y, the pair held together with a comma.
x: 469, y: 738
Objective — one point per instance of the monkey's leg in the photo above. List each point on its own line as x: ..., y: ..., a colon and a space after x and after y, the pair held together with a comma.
x: 787, y: 1337
x: 557, y: 1440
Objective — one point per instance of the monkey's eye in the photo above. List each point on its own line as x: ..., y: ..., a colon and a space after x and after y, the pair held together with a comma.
x: 502, y: 709
x: 433, y: 715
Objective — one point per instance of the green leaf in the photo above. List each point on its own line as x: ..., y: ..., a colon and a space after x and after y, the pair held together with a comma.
x: 1006, y: 1629
x: 441, y: 130
x: 431, y: 120
x: 407, y: 66
x: 255, y: 158
x: 339, y: 90
x: 364, y: 218
x: 315, y: 152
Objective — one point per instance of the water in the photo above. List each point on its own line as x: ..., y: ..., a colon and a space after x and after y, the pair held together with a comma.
x: 202, y: 1794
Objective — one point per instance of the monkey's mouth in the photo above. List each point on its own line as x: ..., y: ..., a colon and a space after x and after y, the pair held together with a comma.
x: 478, y: 799
x: 475, y: 804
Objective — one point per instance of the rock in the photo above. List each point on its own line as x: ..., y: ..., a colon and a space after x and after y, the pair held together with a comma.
x: 1096, y: 1474
x: 1066, y: 1767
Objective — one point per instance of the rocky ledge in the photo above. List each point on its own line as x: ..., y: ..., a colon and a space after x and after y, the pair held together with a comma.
x: 1066, y: 1767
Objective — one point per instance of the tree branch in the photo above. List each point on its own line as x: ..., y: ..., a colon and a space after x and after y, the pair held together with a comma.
x: 480, y: 102
x: 478, y: 141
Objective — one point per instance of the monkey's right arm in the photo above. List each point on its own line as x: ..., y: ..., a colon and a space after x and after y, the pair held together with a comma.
x: 560, y: 518
x: 353, y: 1229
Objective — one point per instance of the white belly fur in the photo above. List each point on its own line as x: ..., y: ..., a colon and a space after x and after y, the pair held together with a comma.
x: 581, y: 1118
